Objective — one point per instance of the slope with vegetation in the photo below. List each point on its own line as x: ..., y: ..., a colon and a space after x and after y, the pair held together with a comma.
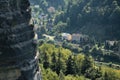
x: 98, y: 18
x: 90, y: 61
x: 58, y: 63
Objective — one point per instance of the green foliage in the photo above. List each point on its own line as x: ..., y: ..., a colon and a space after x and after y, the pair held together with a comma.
x: 58, y: 63
x: 61, y: 76
x: 44, y: 4
x: 93, y: 73
x: 110, y: 74
x: 54, y: 58
x: 105, y: 52
x: 92, y: 17
x: 71, y: 66
x: 60, y: 27
x: 87, y: 63
x: 48, y: 74
x: 79, y: 62
x: 46, y: 62
x: 71, y: 77
x: 61, y: 65
x: 54, y: 62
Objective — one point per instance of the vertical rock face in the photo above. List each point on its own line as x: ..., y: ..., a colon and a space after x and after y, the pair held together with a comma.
x: 18, y: 54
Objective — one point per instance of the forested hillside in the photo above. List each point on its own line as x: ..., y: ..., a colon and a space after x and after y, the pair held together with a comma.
x: 78, y: 39
x: 58, y: 63
x: 98, y: 18
x: 44, y: 4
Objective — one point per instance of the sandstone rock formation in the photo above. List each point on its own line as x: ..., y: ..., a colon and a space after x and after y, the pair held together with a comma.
x: 18, y: 54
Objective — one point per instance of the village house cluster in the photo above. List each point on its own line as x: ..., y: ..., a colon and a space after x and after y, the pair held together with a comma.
x: 75, y: 37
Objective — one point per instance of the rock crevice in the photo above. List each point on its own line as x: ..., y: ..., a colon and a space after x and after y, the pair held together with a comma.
x: 18, y: 53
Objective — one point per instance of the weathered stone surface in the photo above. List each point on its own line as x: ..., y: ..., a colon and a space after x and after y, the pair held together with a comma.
x: 18, y: 54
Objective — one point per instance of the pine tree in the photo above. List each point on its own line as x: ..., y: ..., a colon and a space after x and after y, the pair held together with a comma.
x: 87, y: 63
x: 71, y: 66
x: 54, y: 62
x: 106, y: 76
x: 60, y: 66
x: 61, y: 76
x: 46, y: 62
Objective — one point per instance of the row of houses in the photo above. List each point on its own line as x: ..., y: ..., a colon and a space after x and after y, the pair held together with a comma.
x: 76, y: 38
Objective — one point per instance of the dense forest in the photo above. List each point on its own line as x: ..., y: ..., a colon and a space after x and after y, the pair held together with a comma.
x: 96, y: 57
x: 93, y: 17
x: 58, y: 63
